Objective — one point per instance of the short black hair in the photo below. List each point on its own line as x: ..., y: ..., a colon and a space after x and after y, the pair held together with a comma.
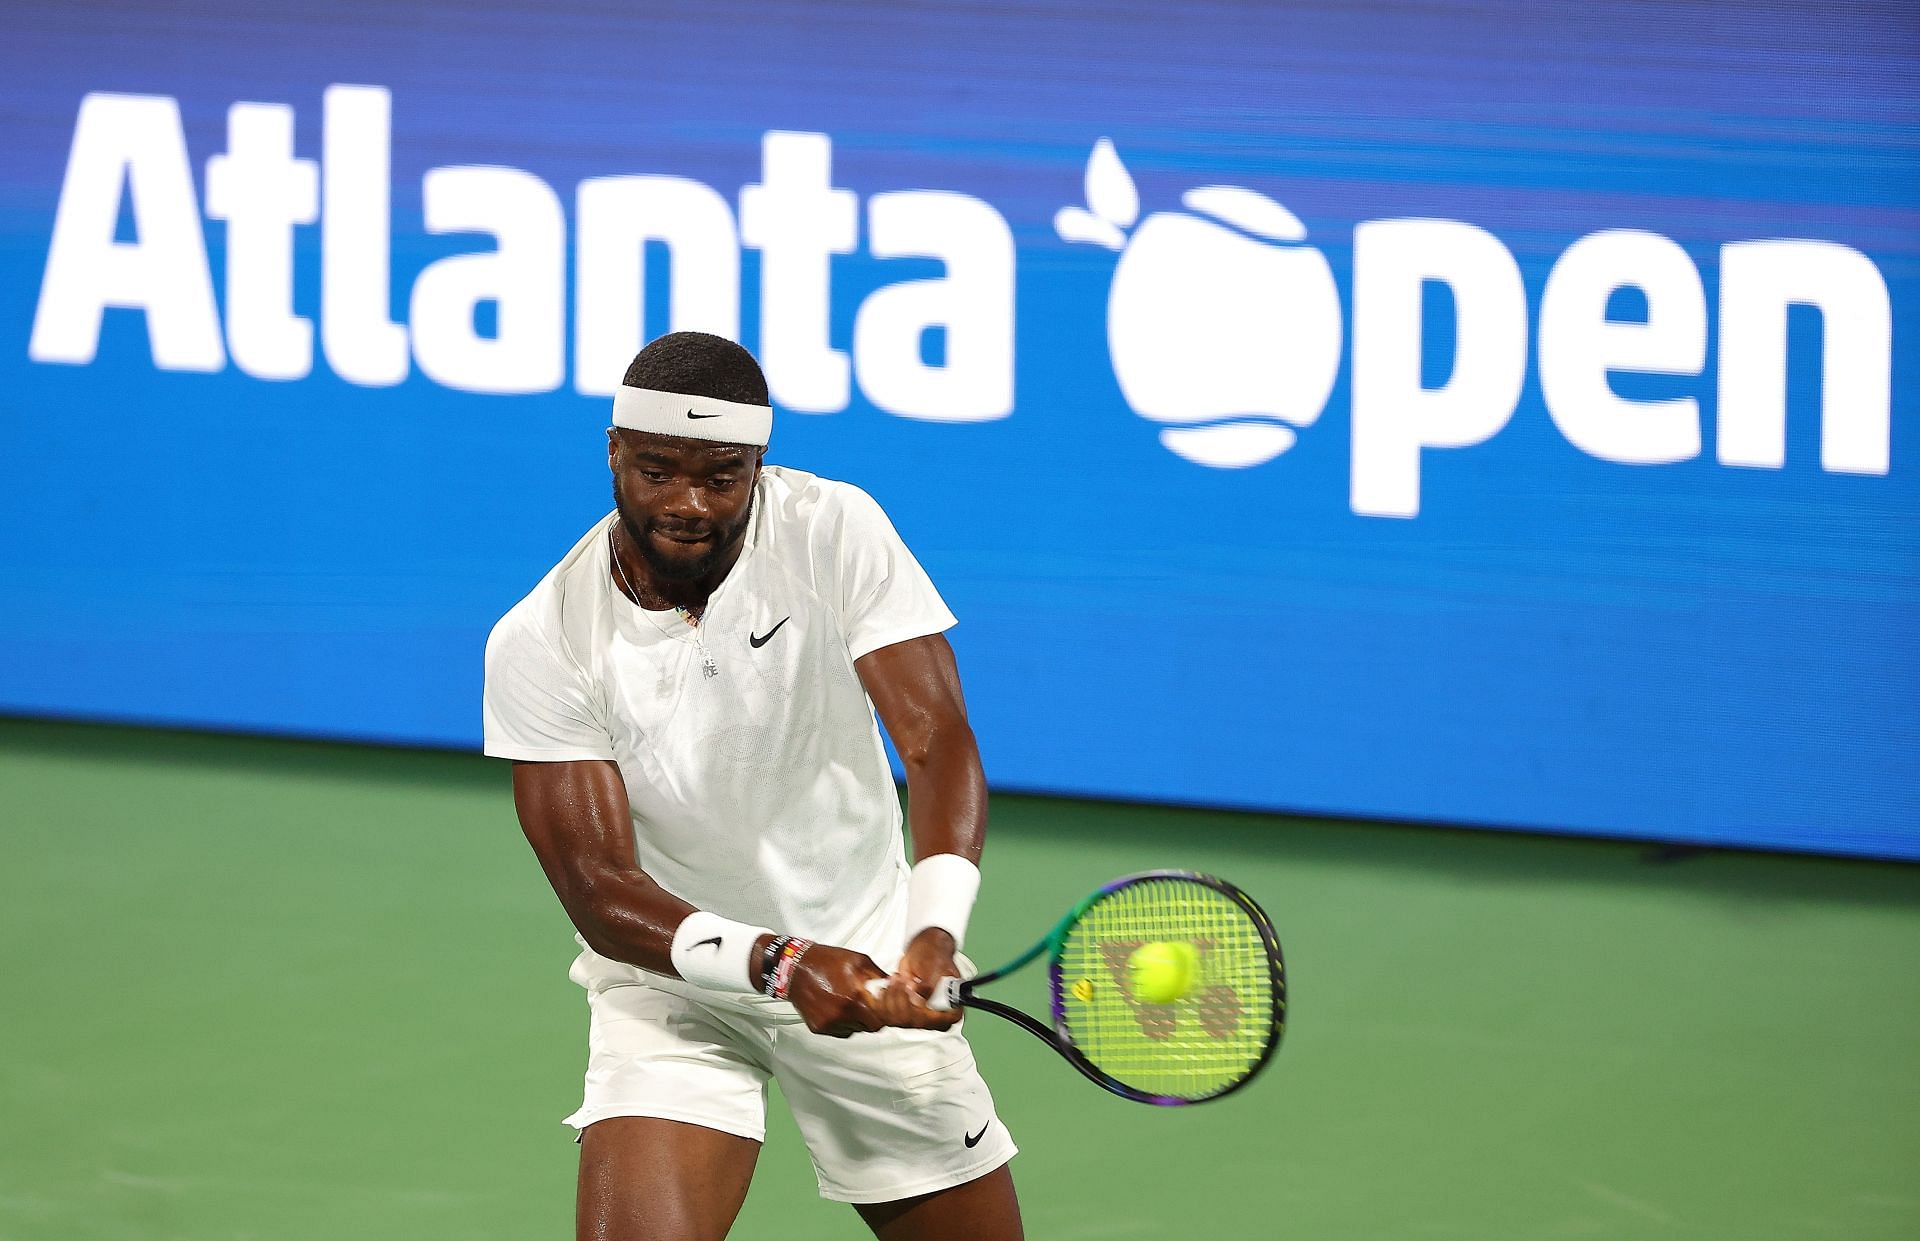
x: 698, y: 364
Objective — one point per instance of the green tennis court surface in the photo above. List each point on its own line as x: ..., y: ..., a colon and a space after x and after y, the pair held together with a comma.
x: 273, y: 990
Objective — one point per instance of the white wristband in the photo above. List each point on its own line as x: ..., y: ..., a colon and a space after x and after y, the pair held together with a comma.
x: 714, y: 952
x: 941, y: 893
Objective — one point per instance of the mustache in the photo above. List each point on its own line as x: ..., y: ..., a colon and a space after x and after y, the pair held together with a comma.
x: 701, y: 530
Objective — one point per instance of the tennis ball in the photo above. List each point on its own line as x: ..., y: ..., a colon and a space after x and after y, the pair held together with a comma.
x: 1163, y: 972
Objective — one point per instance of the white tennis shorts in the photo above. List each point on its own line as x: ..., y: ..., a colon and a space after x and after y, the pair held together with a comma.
x: 886, y: 1116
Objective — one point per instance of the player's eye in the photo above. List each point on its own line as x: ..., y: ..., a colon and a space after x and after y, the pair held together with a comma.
x: 655, y: 476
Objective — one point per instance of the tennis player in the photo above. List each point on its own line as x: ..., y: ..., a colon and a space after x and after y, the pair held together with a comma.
x: 689, y: 701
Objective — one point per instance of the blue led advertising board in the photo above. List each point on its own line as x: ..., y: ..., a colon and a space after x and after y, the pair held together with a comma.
x: 1496, y: 414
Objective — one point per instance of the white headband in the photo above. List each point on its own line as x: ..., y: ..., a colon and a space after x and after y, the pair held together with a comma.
x: 695, y: 417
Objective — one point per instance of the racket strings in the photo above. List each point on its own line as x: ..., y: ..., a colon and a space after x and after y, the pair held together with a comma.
x: 1203, y: 1040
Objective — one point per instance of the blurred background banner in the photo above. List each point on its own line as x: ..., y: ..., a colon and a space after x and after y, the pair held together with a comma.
x: 1495, y: 414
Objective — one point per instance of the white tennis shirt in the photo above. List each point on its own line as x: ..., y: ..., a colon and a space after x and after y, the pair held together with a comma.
x: 760, y: 792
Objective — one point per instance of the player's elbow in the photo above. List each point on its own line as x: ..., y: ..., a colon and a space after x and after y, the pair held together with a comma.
x: 595, y: 900
x: 609, y: 929
x: 594, y: 937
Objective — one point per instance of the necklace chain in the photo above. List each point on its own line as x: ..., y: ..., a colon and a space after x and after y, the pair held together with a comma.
x: 613, y: 549
x: 708, y: 666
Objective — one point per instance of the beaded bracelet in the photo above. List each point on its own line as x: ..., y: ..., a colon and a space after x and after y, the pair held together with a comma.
x: 768, y: 957
x: 781, y: 979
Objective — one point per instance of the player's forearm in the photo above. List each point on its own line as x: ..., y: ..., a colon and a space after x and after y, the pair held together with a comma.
x: 633, y: 919
x: 576, y: 817
x: 946, y: 793
x: 625, y: 916
x: 915, y: 687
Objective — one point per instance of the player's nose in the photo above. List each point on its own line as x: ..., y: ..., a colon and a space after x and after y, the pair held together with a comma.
x: 687, y: 503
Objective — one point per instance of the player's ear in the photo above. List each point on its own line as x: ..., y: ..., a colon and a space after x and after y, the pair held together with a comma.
x: 613, y: 449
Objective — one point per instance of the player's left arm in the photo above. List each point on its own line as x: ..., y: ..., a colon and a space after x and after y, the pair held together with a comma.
x: 915, y: 688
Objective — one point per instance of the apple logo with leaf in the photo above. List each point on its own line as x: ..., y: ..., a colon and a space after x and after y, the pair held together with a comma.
x: 1221, y: 324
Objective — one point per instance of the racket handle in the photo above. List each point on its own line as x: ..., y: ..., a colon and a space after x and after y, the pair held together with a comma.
x: 945, y: 997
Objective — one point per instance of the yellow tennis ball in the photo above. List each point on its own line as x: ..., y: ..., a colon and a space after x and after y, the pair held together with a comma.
x: 1163, y: 972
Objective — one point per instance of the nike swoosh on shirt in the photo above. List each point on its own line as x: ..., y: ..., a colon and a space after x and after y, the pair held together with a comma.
x: 763, y: 639
x: 715, y: 941
x: 973, y: 1139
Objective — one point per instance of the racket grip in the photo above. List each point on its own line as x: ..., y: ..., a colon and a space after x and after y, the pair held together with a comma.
x: 945, y: 997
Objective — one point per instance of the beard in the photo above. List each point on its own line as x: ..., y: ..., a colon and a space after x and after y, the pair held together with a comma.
x: 691, y: 567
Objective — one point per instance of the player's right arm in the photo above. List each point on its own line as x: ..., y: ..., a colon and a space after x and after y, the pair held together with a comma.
x: 576, y: 818
x: 575, y: 815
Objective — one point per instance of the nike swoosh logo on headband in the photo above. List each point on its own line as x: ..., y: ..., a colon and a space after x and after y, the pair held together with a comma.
x: 691, y: 414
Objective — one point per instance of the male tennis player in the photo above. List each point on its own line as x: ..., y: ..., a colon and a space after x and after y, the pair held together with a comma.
x: 689, y: 701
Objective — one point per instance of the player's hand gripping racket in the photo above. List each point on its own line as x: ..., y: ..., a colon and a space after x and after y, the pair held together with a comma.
x: 1168, y: 988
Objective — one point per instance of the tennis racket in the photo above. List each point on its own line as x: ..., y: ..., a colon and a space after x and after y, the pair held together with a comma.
x: 1215, y: 947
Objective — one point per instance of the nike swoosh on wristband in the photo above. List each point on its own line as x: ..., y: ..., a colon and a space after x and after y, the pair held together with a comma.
x: 715, y: 941
x: 973, y: 1139
x: 763, y: 639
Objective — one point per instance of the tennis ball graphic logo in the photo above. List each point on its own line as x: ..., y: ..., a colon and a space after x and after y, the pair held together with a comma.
x: 1221, y: 324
